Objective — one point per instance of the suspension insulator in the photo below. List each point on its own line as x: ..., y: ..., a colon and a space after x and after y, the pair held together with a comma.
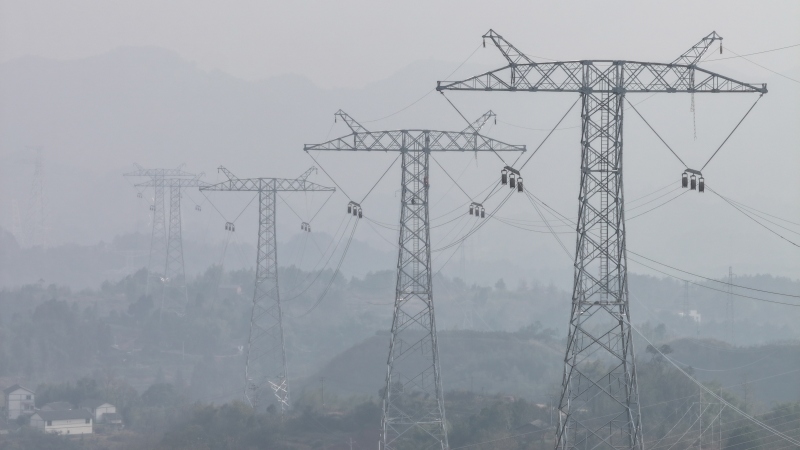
x: 483, y: 213
x: 349, y: 209
x: 512, y: 181
x: 308, y: 228
x: 359, y: 214
x: 519, y: 184
x: 471, y: 210
x: 693, y: 185
x: 685, y: 180
x: 139, y: 195
x: 701, y: 185
x: 504, y: 176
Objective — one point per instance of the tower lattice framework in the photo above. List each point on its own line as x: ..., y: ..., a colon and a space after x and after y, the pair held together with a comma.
x: 166, y: 272
x: 599, y: 405
x: 266, y: 367
x: 413, y: 401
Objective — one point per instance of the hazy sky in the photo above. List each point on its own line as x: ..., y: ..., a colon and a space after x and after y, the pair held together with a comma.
x: 353, y: 49
x: 353, y: 42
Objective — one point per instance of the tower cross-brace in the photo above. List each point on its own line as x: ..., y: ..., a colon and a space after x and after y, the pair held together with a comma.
x: 413, y: 404
x: 266, y: 364
x: 599, y: 406
x: 174, y: 295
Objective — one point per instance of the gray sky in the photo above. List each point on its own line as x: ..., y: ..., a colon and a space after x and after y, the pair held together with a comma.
x: 351, y: 43
x: 374, y: 58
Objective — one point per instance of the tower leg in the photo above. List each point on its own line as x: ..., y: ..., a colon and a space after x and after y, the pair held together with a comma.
x: 413, y: 404
x: 266, y: 365
x: 175, y: 294
x: 158, y: 239
x: 599, y: 406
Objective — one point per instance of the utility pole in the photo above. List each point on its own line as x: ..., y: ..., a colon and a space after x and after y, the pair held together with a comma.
x: 413, y: 402
x: 174, y: 295
x: 600, y: 327
x: 266, y: 348
x: 158, y: 236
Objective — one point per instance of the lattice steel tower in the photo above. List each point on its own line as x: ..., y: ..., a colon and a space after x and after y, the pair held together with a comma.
x: 166, y: 250
x: 266, y: 349
x: 174, y: 295
x: 599, y: 406
x: 413, y: 404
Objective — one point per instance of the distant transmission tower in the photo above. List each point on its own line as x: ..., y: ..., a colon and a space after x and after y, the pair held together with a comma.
x: 174, y: 295
x: 413, y: 404
x: 599, y: 406
x: 266, y: 366
x: 166, y: 256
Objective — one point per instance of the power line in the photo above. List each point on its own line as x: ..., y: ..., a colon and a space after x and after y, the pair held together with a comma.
x: 711, y: 279
x: 711, y: 288
x: 470, y: 125
x: 751, y: 54
x: 426, y: 94
x: 765, y: 68
x: 381, y: 178
x: 546, y: 137
x: 754, y: 220
x: 732, y: 131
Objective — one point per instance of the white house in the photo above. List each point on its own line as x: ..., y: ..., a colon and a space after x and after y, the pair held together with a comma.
x: 98, y: 408
x: 19, y: 401
x: 72, y: 421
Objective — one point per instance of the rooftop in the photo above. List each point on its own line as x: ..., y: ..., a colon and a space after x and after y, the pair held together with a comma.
x: 70, y: 414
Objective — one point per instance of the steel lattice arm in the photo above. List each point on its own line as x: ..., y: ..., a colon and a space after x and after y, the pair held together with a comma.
x: 266, y: 184
x: 175, y: 182
x: 354, y: 126
x: 693, y: 55
x: 142, y: 172
x: 480, y: 122
x: 402, y: 140
x: 512, y: 55
x: 590, y: 76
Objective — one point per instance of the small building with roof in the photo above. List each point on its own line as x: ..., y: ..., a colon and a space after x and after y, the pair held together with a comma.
x: 69, y: 422
x: 98, y: 408
x: 20, y: 401
x: 57, y: 406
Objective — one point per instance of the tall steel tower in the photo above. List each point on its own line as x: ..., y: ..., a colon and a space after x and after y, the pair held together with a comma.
x: 174, y: 295
x: 266, y: 350
x: 413, y: 404
x: 599, y: 407
x: 158, y: 237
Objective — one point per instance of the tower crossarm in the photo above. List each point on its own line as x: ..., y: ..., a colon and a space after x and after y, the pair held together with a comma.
x: 480, y: 122
x: 598, y: 76
x: 142, y: 172
x: 412, y: 140
x: 511, y: 53
x: 300, y: 184
x: 692, y: 56
x: 175, y: 182
x: 355, y: 126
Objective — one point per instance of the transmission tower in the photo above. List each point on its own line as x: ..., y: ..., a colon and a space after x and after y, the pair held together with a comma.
x: 266, y: 348
x: 174, y: 295
x: 413, y: 405
x: 158, y: 238
x: 599, y: 406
